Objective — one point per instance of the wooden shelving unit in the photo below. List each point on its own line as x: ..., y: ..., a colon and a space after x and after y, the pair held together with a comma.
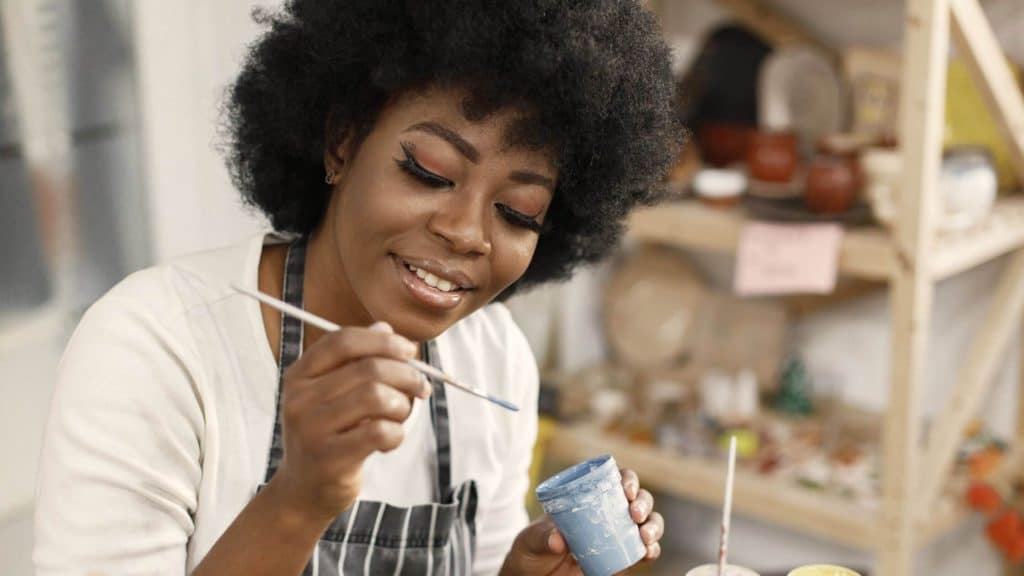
x: 776, y: 500
x: 910, y: 258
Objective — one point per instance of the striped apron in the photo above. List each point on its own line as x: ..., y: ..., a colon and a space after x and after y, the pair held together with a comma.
x: 376, y: 537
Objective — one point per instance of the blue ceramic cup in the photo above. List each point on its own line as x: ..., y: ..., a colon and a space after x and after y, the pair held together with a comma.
x: 589, y: 506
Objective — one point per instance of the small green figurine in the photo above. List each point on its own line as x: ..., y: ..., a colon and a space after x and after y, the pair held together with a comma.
x: 794, y: 395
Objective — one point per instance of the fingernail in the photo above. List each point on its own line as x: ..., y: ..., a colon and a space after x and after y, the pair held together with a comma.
x: 551, y: 539
x: 427, y: 387
x: 639, y: 507
x: 381, y: 327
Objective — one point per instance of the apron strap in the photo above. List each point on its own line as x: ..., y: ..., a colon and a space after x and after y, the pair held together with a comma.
x: 439, y: 419
x: 290, y: 343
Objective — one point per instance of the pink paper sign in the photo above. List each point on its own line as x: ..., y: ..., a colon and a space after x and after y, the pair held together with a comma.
x: 787, y: 258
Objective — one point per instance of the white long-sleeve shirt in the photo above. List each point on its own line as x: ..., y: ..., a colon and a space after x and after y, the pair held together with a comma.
x: 161, y: 421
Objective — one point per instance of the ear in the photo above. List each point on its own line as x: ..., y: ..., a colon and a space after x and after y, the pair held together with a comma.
x: 334, y: 155
x: 337, y: 140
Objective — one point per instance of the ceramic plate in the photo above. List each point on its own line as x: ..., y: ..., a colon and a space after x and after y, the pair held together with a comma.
x: 650, y: 307
x: 799, y: 90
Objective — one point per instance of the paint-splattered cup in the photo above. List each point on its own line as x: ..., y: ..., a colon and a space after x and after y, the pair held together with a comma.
x: 589, y: 507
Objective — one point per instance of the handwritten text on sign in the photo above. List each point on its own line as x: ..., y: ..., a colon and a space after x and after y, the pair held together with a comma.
x: 787, y: 258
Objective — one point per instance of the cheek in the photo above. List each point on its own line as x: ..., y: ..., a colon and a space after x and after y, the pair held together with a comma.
x: 376, y: 209
x: 512, y: 260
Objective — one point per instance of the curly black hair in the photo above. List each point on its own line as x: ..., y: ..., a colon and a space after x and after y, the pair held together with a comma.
x: 593, y: 74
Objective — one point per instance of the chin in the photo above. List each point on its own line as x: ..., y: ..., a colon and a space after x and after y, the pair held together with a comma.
x: 416, y: 325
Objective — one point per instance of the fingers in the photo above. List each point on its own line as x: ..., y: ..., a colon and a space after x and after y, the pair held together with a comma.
x: 641, y: 507
x: 337, y: 348
x: 367, y: 371
x: 653, y: 551
x: 630, y: 483
x: 652, y: 531
x: 367, y: 437
x: 556, y: 542
x: 367, y: 402
x: 541, y: 538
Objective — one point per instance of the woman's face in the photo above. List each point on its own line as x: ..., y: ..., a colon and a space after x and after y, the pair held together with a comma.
x: 434, y: 215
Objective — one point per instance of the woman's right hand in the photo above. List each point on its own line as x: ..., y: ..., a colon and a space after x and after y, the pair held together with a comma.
x: 343, y: 399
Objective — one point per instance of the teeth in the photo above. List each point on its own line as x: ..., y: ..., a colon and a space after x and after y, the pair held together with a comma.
x: 431, y: 280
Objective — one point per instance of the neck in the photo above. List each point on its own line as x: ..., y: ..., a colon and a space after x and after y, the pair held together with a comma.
x: 326, y: 289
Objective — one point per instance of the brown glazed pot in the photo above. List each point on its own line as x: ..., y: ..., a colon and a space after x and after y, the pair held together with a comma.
x: 832, y: 183
x: 772, y: 156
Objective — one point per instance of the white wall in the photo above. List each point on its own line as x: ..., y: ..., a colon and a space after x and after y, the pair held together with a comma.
x: 188, y: 52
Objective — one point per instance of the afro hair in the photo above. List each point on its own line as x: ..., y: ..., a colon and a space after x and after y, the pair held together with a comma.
x: 593, y: 74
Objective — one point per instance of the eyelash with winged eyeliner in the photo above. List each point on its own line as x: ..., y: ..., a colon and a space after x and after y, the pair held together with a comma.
x: 414, y: 169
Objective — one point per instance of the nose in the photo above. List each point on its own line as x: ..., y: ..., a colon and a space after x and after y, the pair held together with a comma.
x: 463, y: 223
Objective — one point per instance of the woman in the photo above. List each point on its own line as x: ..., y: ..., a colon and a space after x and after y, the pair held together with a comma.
x: 419, y: 160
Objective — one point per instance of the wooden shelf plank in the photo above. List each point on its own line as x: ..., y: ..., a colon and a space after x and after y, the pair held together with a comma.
x: 774, y: 500
x: 1004, y: 232
x: 866, y: 253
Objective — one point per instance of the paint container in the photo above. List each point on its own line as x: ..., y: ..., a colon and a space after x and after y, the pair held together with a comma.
x: 588, y: 505
x: 712, y: 570
x: 822, y: 570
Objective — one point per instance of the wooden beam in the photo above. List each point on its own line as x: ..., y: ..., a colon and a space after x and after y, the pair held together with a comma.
x: 1020, y: 385
x: 983, y: 361
x: 773, y: 27
x: 991, y: 71
x: 922, y: 102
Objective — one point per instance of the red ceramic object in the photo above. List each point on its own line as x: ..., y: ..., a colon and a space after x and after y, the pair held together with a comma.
x: 723, y: 145
x: 832, y: 184
x: 772, y: 157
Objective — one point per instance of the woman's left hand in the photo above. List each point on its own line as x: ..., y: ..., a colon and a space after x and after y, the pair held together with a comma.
x: 541, y: 549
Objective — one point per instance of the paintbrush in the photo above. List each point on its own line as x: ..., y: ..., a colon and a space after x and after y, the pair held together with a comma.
x: 723, y: 546
x: 328, y: 326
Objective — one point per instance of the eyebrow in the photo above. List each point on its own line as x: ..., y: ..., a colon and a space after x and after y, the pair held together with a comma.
x: 524, y: 177
x: 460, y: 143
x: 473, y: 155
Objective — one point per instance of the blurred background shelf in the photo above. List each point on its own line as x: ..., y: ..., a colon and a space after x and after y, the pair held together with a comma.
x: 777, y: 500
x: 867, y: 253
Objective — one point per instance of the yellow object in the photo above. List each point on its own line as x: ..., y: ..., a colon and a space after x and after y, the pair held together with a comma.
x: 969, y: 121
x: 822, y: 570
x: 746, y: 442
x: 546, y: 428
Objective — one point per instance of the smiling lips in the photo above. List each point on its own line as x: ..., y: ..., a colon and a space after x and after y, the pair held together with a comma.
x: 433, y: 283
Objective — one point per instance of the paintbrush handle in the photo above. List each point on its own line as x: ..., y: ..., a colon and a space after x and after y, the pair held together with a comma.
x: 328, y: 326
x: 431, y: 371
